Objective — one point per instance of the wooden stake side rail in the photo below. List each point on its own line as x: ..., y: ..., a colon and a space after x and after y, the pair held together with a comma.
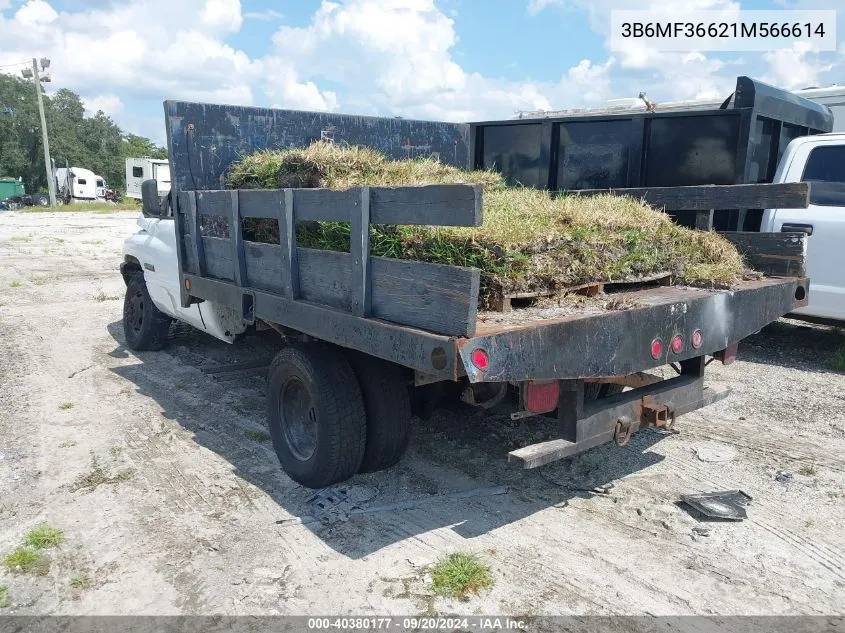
x: 791, y: 195
x: 434, y: 297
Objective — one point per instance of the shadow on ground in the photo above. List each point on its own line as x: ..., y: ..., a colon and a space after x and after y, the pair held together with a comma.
x: 796, y: 345
x: 456, y: 450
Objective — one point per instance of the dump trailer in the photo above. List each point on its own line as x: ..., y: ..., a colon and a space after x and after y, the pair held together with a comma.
x: 367, y: 336
x: 740, y: 142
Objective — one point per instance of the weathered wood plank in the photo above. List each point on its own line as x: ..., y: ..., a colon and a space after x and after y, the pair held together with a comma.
x: 196, y: 232
x: 261, y: 203
x: 435, y: 297
x: 793, y: 195
x: 704, y: 220
x: 237, y: 238
x: 773, y: 254
x: 432, y: 297
x: 360, y: 252
x: 399, y: 344
x: 287, y: 239
x: 325, y: 277
x: 214, y: 202
x: 219, y: 261
x: 264, y: 267
x: 324, y: 204
x: 435, y: 205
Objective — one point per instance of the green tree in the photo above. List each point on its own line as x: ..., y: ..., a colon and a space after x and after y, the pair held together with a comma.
x: 95, y: 142
x: 135, y: 146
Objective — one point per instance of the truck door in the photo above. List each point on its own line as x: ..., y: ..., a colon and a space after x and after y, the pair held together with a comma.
x: 821, y: 163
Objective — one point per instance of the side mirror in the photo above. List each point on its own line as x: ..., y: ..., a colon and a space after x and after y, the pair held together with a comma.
x: 150, y: 201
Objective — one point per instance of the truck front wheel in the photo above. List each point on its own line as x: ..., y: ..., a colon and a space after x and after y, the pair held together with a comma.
x: 315, y: 412
x: 144, y: 326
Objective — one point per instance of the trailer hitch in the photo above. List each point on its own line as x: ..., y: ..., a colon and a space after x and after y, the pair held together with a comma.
x: 660, y: 415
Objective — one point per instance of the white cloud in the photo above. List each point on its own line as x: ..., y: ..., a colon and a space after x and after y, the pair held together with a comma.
x: 109, y: 104
x: 5, y: 4
x: 222, y: 14
x: 397, y: 57
x: 796, y: 67
x: 388, y: 57
x: 151, y: 51
x: 267, y: 15
x: 35, y: 12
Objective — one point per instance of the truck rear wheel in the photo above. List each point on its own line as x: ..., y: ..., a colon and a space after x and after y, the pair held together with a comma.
x: 144, y: 326
x: 315, y: 412
x: 388, y: 407
x: 596, y: 391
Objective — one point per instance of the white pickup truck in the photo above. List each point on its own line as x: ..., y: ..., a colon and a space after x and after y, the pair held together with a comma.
x: 819, y: 160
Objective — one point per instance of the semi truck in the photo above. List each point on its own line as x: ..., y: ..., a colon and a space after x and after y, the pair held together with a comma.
x: 76, y: 184
x: 364, y: 337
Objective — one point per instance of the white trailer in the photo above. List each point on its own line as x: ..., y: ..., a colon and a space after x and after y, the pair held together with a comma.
x: 140, y: 169
x: 76, y: 184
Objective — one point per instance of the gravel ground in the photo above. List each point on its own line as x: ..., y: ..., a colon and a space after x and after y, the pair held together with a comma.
x: 172, y: 502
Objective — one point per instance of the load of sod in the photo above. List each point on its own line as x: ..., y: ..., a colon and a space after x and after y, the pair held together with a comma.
x: 530, y: 240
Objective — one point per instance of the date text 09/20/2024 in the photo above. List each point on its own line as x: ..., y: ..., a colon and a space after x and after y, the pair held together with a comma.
x: 479, y: 623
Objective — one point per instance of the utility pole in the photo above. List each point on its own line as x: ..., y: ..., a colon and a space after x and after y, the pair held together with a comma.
x: 51, y: 184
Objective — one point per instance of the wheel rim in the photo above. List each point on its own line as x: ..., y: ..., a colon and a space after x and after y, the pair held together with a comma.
x: 299, y: 419
x: 135, y: 312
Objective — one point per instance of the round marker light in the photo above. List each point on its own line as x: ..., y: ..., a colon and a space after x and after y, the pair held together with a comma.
x: 656, y: 348
x: 696, y: 339
x: 677, y: 344
x: 480, y: 358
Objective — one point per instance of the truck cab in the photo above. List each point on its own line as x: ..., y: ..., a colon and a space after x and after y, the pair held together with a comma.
x: 76, y: 183
x: 820, y: 161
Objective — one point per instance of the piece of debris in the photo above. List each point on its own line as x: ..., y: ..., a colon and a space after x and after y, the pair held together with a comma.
x: 784, y: 476
x: 701, y: 530
x: 727, y: 505
x: 715, y: 453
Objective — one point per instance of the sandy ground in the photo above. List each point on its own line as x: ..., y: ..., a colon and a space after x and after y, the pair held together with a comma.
x: 185, y: 517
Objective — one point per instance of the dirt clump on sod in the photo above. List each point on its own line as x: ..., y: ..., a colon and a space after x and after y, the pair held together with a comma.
x: 530, y: 240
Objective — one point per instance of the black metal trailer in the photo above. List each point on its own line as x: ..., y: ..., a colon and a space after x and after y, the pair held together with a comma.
x: 739, y: 143
x: 365, y: 331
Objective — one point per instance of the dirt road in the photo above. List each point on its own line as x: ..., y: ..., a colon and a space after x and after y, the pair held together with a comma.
x: 157, y: 468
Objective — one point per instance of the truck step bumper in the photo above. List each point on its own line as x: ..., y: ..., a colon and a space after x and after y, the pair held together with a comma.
x: 620, y: 416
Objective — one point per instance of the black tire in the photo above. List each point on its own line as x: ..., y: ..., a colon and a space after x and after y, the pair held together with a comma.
x: 315, y: 412
x: 40, y: 200
x: 144, y: 326
x: 388, y: 407
x: 597, y: 390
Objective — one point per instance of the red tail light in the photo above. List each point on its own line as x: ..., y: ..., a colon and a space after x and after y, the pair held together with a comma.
x: 656, y: 348
x: 697, y: 339
x: 479, y: 358
x: 542, y: 397
x: 677, y: 344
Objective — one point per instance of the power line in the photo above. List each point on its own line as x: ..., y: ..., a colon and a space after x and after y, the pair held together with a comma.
x: 23, y: 63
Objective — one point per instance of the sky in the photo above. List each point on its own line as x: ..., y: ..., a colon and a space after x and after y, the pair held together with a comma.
x: 455, y: 60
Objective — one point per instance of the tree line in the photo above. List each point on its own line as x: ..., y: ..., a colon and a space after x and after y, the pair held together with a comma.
x: 94, y: 142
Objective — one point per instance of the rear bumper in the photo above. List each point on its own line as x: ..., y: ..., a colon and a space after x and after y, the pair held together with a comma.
x: 618, y: 343
x: 620, y: 416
